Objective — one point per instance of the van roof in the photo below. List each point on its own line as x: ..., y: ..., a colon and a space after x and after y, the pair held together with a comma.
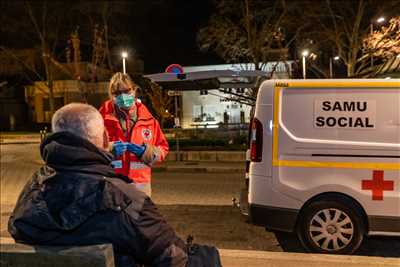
x: 395, y: 83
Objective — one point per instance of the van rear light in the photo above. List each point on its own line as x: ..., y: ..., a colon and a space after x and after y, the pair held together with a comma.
x: 256, y: 140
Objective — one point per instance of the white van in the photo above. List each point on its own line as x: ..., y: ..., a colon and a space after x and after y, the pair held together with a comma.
x: 325, y: 160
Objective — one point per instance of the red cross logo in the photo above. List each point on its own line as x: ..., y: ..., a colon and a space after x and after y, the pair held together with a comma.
x: 146, y: 133
x: 377, y: 185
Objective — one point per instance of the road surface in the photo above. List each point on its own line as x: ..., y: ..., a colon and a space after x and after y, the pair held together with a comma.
x: 199, y: 204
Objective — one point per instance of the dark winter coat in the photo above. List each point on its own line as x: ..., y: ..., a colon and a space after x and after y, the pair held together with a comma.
x: 77, y: 199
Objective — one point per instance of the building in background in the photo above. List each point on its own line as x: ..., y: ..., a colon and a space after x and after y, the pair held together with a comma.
x: 91, y: 87
x: 13, y: 109
x: 65, y: 91
x: 214, y: 108
x: 13, y: 77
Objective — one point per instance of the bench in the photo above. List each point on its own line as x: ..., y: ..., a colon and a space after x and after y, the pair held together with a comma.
x: 19, y: 255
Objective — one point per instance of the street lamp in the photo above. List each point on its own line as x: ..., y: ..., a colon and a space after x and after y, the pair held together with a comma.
x: 379, y: 20
x: 305, y: 53
x: 335, y: 58
x: 124, y: 56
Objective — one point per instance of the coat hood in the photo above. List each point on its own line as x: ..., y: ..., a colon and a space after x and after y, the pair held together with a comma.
x: 66, y: 192
x: 65, y: 151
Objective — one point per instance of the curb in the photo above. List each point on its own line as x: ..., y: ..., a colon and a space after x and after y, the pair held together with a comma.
x: 198, y: 169
x: 254, y: 258
x: 16, y: 142
x: 5, y: 140
x: 238, y: 258
x: 173, y: 169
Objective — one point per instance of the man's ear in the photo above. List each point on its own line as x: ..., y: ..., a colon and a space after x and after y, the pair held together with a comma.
x: 105, y: 140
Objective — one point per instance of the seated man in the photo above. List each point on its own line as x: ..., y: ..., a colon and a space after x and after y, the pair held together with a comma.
x: 77, y: 199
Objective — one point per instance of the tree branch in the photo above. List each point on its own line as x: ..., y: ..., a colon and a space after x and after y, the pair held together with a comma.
x: 33, y: 20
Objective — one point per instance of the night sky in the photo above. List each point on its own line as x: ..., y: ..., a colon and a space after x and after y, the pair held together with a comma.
x: 167, y: 34
x: 160, y: 32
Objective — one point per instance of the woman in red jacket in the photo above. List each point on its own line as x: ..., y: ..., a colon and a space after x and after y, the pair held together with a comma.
x: 135, y: 135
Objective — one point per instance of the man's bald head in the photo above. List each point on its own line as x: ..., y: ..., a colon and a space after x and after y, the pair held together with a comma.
x: 82, y: 120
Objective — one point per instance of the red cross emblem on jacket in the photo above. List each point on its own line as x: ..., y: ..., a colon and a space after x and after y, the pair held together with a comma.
x: 377, y: 185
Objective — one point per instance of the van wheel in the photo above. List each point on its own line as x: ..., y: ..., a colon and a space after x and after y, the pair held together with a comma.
x: 328, y: 226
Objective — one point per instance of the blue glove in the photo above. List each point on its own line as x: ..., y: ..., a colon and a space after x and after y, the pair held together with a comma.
x: 138, y: 150
x: 119, y: 148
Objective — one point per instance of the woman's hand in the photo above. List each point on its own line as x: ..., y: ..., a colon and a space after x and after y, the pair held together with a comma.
x: 119, y: 148
x: 138, y: 150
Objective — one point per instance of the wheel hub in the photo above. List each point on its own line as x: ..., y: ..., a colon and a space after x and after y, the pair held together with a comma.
x: 331, y: 229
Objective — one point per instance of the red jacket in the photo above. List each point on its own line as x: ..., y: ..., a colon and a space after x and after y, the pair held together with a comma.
x: 146, y: 130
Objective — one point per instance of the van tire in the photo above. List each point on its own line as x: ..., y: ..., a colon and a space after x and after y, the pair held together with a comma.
x: 341, y: 233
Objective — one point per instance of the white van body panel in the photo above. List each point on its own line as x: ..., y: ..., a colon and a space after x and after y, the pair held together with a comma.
x: 323, y: 136
x: 271, y: 197
x: 265, y: 114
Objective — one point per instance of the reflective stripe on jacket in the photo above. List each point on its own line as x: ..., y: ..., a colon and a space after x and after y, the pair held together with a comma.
x: 145, y: 131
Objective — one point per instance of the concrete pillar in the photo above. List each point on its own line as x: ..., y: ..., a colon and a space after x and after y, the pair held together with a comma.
x: 12, y: 122
x: 38, y: 106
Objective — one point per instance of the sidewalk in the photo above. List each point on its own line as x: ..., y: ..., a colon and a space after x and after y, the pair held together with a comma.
x: 239, y: 258
x: 200, y: 167
x: 196, y: 164
x: 11, y: 138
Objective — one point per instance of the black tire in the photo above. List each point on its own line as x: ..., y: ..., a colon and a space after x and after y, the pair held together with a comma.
x: 333, y: 229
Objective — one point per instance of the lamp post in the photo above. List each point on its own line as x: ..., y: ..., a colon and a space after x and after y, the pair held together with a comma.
x: 336, y: 58
x: 304, y: 54
x: 124, y: 56
x: 379, y: 21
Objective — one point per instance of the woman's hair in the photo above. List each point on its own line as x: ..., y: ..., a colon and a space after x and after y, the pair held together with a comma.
x: 120, y: 80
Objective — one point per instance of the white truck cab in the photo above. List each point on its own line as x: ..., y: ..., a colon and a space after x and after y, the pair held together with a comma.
x: 325, y: 160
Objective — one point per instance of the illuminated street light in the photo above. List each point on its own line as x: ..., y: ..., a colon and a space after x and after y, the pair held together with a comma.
x: 335, y: 58
x: 124, y: 56
x: 379, y: 20
x: 305, y: 53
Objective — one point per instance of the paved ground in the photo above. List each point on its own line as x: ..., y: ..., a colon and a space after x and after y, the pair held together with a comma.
x: 192, y: 202
x: 189, y: 186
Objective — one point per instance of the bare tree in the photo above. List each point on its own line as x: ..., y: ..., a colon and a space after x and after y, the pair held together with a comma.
x: 159, y: 98
x: 109, y: 19
x: 46, y: 24
x: 250, y: 31
x: 341, y: 26
x: 105, y: 16
x: 384, y: 43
